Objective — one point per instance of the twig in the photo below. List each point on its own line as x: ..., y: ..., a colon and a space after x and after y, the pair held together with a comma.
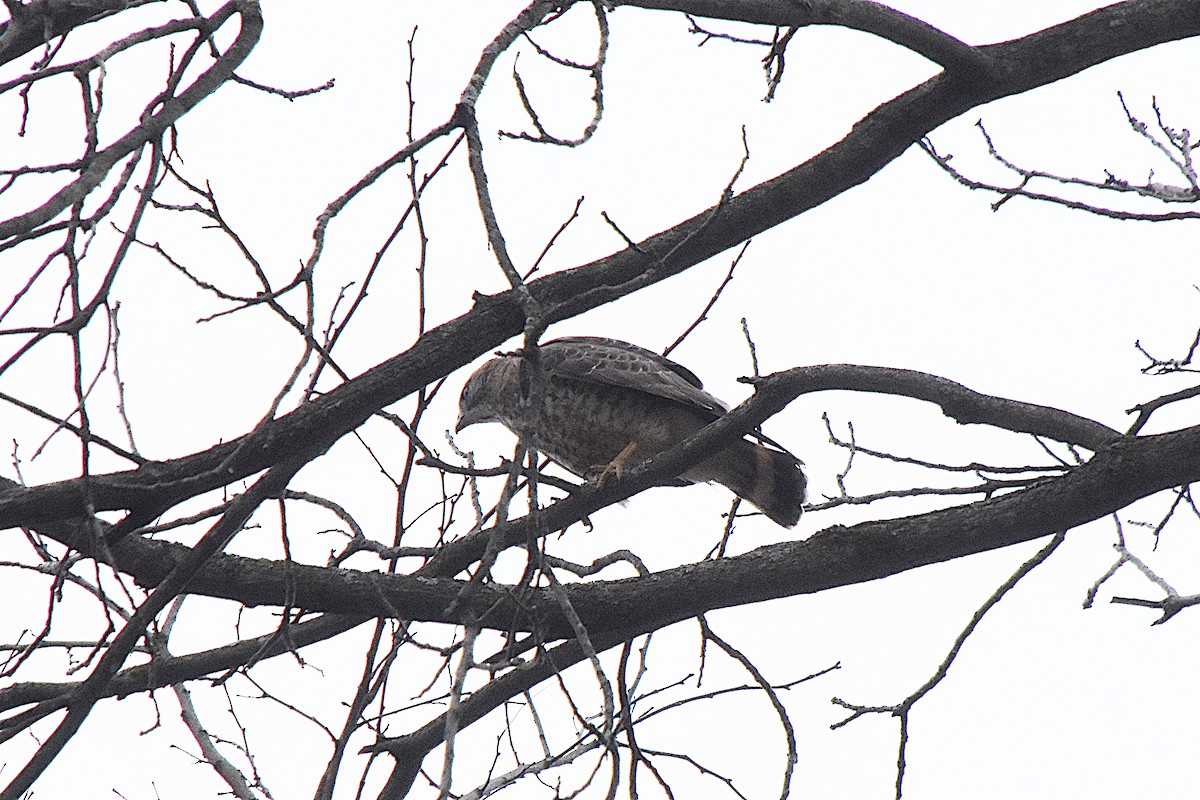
x: 905, y: 706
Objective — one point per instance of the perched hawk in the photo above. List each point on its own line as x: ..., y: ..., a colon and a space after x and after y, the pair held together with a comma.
x: 607, y: 405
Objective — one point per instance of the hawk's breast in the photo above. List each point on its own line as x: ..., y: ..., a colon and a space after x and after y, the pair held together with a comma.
x: 584, y: 425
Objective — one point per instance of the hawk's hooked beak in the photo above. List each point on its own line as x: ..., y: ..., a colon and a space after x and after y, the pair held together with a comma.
x: 466, y: 418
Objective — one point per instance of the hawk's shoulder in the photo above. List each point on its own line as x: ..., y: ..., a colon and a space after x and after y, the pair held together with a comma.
x: 611, y: 362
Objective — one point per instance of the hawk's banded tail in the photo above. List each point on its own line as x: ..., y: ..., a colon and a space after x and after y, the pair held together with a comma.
x: 771, y: 480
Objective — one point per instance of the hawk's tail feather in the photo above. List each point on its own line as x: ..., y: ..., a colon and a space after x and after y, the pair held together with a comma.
x: 771, y: 480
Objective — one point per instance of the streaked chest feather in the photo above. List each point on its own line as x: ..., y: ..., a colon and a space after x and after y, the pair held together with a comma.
x: 584, y: 425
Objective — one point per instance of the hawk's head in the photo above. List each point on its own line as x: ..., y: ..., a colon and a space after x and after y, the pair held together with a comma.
x: 490, y: 394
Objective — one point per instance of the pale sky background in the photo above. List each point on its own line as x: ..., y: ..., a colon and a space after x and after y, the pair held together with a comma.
x: 1033, y: 302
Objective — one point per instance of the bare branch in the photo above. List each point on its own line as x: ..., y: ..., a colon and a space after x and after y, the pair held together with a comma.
x: 905, y: 706
x: 861, y: 15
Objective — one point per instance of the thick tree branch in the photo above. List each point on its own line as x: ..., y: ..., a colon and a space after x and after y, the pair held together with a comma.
x: 860, y: 15
x: 961, y: 404
x: 1119, y: 474
x: 37, y: 23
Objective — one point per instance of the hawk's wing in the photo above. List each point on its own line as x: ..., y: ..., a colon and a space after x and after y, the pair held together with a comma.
x: 617, y: 363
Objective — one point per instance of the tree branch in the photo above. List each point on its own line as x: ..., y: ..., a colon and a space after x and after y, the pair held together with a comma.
x: 860, y: 15
x: 1118, y: 475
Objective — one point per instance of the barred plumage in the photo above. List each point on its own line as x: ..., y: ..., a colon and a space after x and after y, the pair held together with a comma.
x: 607, y: 405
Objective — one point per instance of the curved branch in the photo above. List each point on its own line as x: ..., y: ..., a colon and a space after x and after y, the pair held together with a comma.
x: 860, y: 15
x: 961, y: 404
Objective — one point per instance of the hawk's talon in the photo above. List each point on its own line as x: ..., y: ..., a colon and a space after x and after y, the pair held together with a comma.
x: 615, y: 467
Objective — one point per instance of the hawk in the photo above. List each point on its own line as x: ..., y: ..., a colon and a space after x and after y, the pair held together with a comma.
x: 606, y: 405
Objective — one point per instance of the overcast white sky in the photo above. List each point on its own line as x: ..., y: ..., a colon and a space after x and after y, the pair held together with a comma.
x: 909, y: 270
